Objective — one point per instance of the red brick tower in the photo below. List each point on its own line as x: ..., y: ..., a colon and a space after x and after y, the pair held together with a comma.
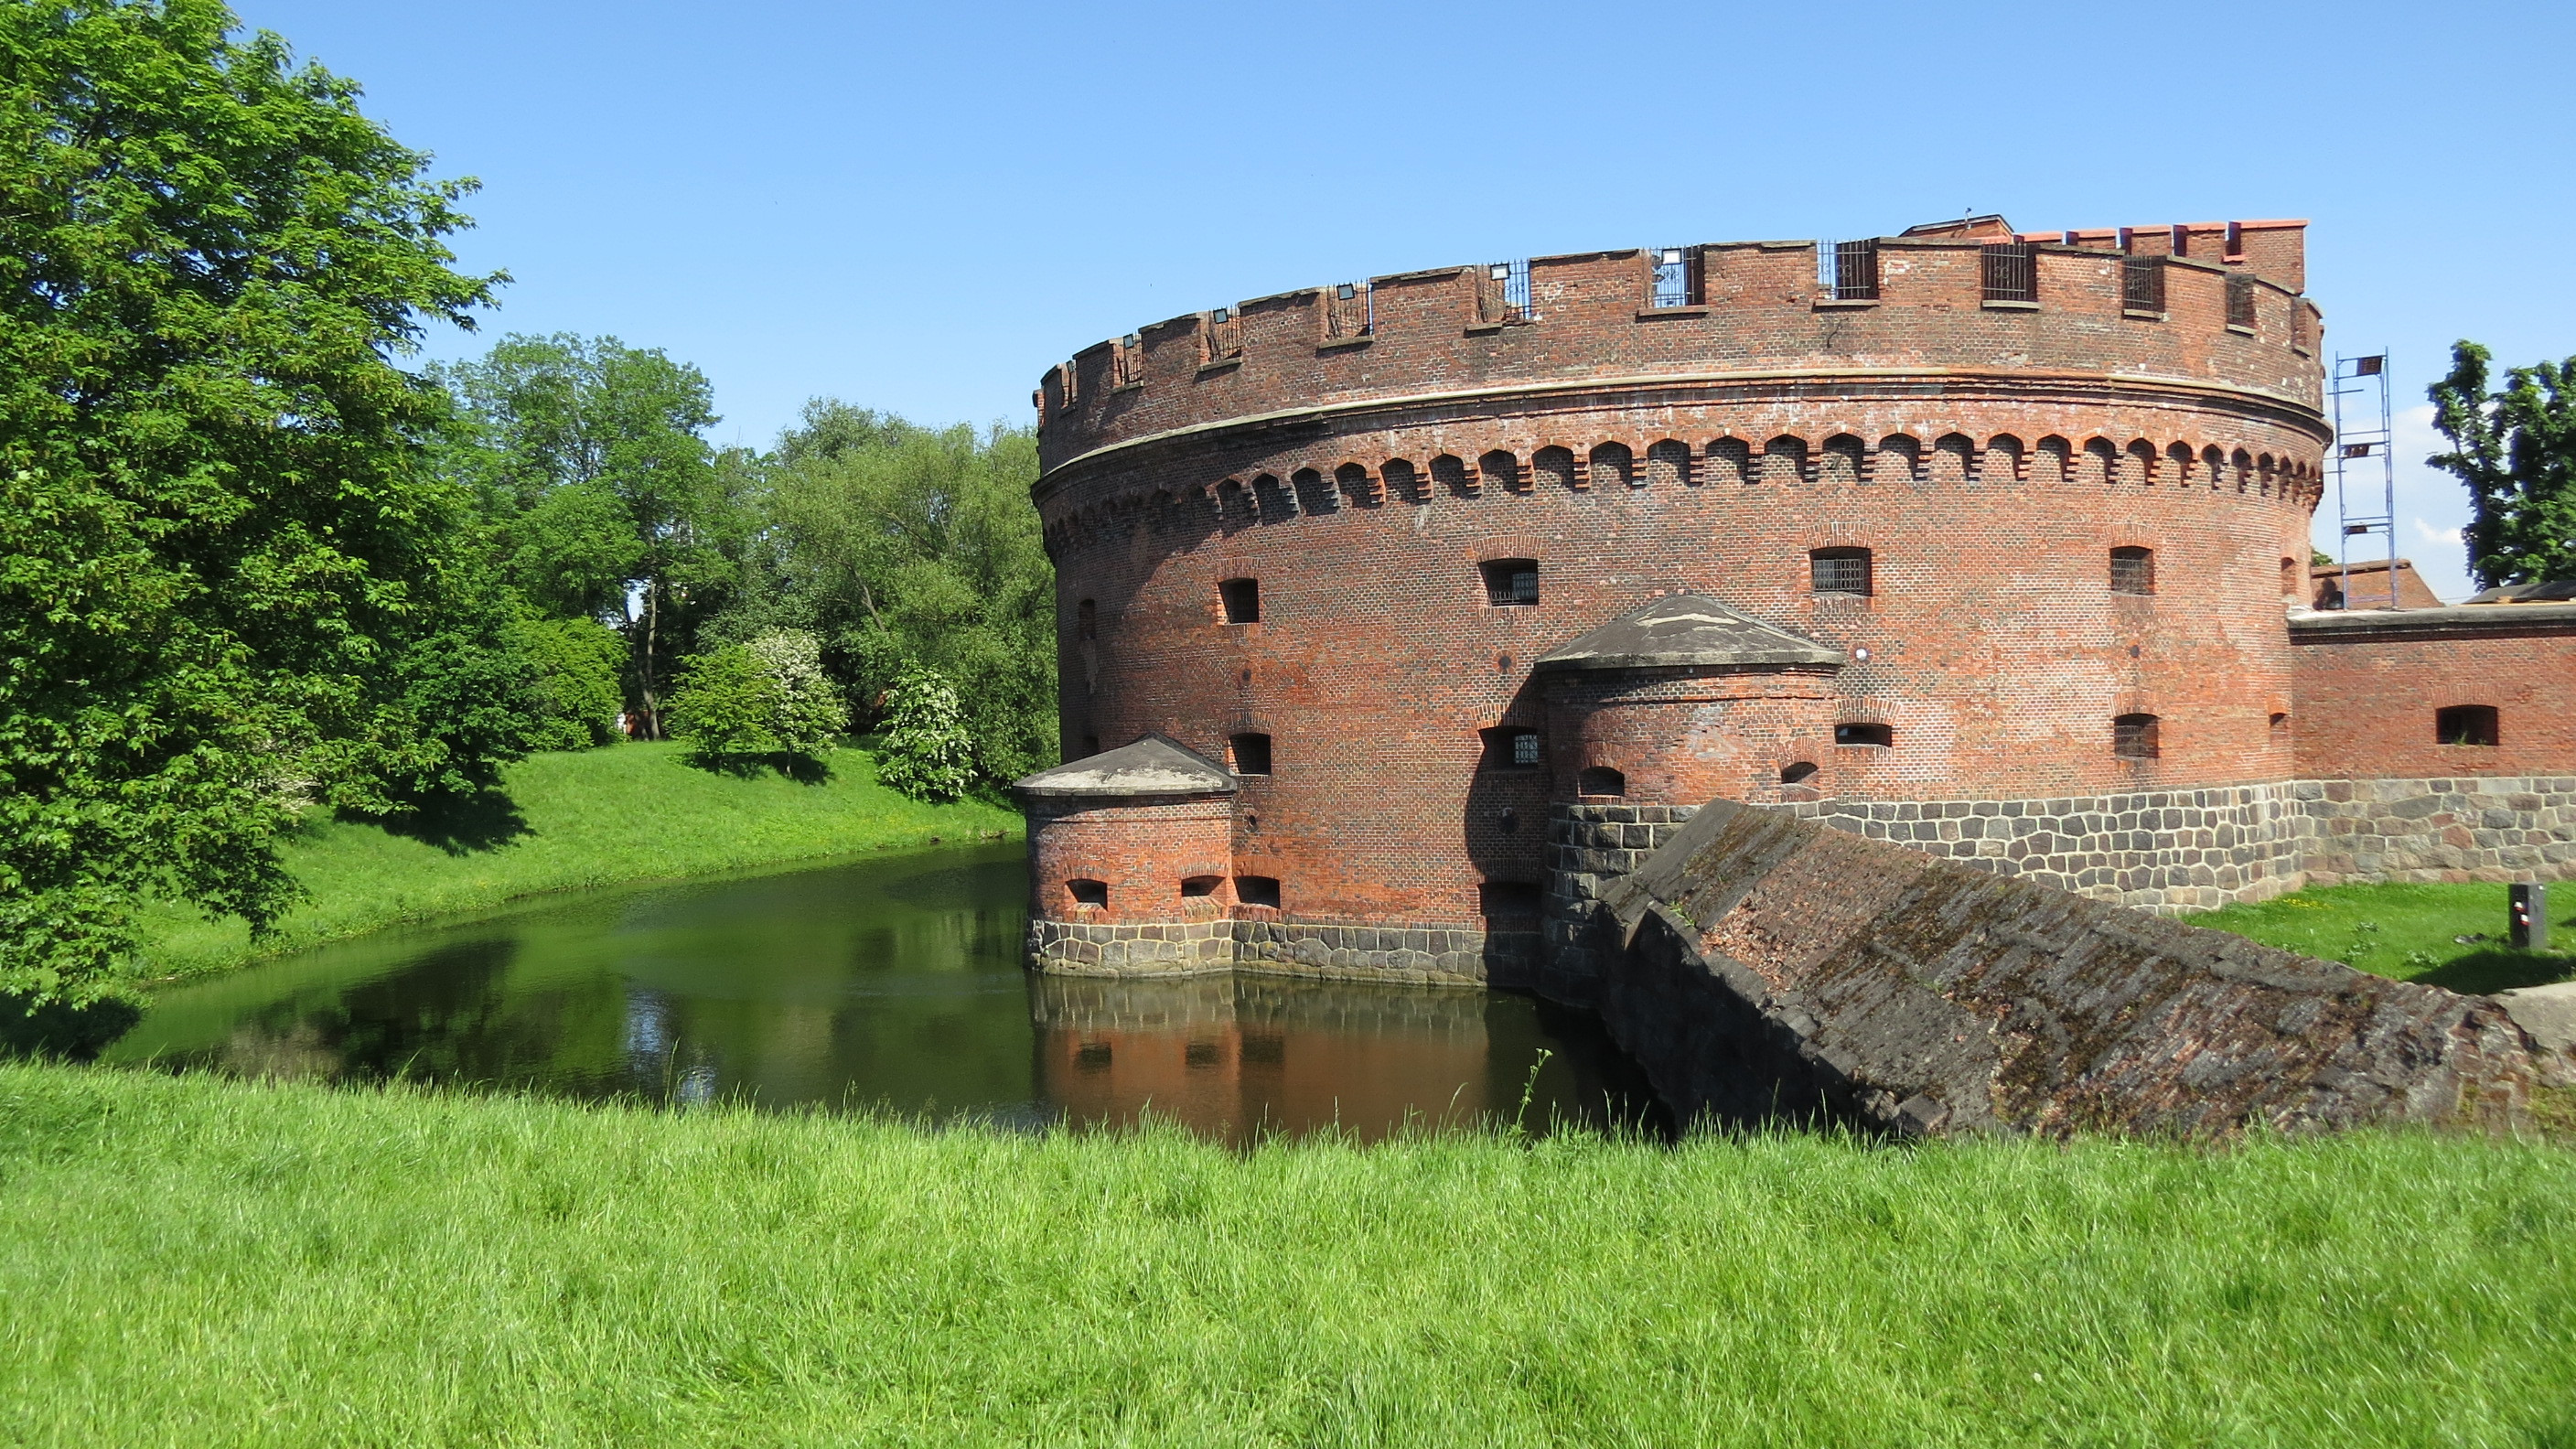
x: 1967, y: 538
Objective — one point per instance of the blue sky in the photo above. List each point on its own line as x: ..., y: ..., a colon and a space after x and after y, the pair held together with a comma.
x: 920, y: 208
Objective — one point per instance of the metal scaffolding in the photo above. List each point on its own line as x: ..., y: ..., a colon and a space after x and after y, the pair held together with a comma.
x: 2360, y: 435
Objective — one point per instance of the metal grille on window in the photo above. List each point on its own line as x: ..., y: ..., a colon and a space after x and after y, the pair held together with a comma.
x: 2133, y: 737
x: 2011, y: 272
x: 2240, y: 302
x: 1506, y: 294
x: 1525, y: 749
x: 1680, y: 280
x: 2133, y: 571
x: 1849, y: 269
x: 1840, y: 571
x: 1352, y: 312
x: 2142, y: 284
x: 1224, y: 335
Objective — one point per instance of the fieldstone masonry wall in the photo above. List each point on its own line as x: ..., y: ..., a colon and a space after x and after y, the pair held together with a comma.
x: 2160, y: 850
x: 2509, y: 828
x: 2164, y: 851
x: 1460, y: 954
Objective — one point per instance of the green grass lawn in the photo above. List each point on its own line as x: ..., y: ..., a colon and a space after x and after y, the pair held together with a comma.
x: 590, y: 818
x: 2411, y: 932
x: 195, y: 1261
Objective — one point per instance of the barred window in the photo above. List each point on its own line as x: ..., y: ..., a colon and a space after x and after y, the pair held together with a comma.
x: 2011, y: 272
x: 2142, y: 284
x: 1510, y: 581
x: 2133, y: 737
x: 2133, y: 571
x: 1839, y: 571
x: 1509, y: 747
x: 1848, y: 270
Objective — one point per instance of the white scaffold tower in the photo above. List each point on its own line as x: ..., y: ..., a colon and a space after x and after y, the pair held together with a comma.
x: 2362, y: 434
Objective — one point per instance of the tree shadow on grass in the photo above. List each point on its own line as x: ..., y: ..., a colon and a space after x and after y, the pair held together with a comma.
x: 2501, y: 968
x: 68, y: 1033
x: 803, y: 769
x: 461, y: 823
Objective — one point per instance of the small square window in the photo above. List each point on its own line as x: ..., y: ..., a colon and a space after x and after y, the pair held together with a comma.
x: 1509, y: 748
x: 1088, y: 892
x: 1510, y: 581
x: 2466, y: 724
x: 1240, y: 600
x: 1601, y: 780
x: 1251, y: 754
x: 2133, y: 571
x: 2133, y: 737
x: 1840, y: 571
x: 1512, y: 900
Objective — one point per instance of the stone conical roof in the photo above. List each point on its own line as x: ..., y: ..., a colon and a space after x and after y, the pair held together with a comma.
x: 1684, y: 630
x: 1150, y: 766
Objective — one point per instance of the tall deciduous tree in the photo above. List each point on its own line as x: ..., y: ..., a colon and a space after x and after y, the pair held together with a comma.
x: 2516, y: 451
x: 218, y: 544
x: 590, y: 456
x: 913, y: 546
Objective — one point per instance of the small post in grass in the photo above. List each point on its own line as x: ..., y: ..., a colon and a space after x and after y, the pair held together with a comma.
x: 2529, y: 919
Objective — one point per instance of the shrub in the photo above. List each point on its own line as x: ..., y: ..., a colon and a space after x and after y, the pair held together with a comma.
x: 925, y: 753
x: 764, y: 698
x: 810, y: 707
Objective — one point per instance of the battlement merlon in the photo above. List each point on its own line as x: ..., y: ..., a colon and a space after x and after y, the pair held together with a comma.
x: 1753, y: 306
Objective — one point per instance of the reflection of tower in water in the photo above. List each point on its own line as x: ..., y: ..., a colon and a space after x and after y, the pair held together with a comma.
x: 1234, y: 1055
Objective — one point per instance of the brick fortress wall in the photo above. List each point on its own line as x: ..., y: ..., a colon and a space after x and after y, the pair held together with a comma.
x: 1362, y: 456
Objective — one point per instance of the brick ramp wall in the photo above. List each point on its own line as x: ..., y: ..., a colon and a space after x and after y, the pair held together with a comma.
x: 1760, y: 967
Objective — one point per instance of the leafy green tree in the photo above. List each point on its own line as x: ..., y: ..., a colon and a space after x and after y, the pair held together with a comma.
x: 912, y: 546
x: 218, y: 543
x: 924, y: 751
x: 574, y: 697
x: 746, y: 702
x: 811, y: 709
x: 2516, y: 451
x: 588, y: 456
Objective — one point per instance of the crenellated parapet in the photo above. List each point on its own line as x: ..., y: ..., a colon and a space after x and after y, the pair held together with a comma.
x: 2207, y: 310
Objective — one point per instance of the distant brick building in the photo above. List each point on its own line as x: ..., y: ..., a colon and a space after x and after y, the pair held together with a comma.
x: 1398, y: 614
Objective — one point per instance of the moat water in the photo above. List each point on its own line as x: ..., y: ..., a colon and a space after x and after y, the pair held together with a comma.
x: 895, y: 985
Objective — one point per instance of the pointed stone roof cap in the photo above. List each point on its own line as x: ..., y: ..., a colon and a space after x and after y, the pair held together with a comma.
x: 1683, y: 630
x: 1150, y: 766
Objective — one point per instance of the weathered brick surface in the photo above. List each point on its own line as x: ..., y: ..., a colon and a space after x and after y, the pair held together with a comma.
x: 2368, y: 685
x: 1759, y: 967
x: 1992, y: 646
x: 1362, y: 457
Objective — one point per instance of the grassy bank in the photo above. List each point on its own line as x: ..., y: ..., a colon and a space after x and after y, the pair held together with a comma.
x: 591, y: 818
x: 2411, y: 932
x: 201, y: 1262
